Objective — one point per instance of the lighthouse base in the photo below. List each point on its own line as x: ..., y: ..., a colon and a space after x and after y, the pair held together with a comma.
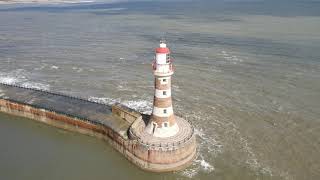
x: 162, y: 132
x: 161, y: 154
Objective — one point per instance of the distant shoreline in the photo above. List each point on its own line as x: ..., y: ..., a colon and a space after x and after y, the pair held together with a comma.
x: 42, y: 1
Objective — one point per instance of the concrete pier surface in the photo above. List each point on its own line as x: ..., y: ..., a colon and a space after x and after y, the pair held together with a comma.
x: 121, y: 126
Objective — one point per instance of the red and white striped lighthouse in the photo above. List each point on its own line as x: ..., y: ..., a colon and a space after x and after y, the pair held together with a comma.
x: 162, y: 122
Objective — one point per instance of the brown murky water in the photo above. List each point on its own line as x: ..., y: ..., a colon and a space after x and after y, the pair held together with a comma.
x: 247, y: 75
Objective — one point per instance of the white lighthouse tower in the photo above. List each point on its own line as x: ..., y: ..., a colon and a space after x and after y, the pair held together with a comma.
x: 162, y: 123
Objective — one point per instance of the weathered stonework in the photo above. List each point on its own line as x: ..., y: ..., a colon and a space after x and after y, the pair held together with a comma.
x: 161, y: 86
x: 162, y: 103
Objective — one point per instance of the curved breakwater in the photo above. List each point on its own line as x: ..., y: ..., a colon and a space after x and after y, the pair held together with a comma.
x: 97, y: 120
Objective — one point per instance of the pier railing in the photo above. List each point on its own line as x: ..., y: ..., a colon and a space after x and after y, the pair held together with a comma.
x: 55, y: 93
x: 166, y: 146
x: 78, y: 117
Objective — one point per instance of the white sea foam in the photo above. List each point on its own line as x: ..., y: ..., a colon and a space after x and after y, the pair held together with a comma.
x: 54, y: 67
x: 142, y: 106
x: 8, y: 80
x: 212, y: 145
x: 19, y: 77
x: 35, y: 85
x: 190, y: 172
x: 13, y: 77
x: 198, y: 165
x: 207, y: 144
x: 77, y: 69
x: 205, y: 166
x: 103, y: 100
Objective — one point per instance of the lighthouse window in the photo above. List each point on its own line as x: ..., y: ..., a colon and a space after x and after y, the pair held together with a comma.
x: 168, y: 58
x: 164, y: 92
x: 165, y: 111
x: 164, y: 81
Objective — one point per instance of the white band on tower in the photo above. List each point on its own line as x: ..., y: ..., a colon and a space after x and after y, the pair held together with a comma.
x: 163, y: 93
x: 161, y: 58
x: 162, y: 112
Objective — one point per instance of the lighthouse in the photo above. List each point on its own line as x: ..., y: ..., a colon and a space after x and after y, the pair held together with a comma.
x: 162, y: 141
x: 162, y: 122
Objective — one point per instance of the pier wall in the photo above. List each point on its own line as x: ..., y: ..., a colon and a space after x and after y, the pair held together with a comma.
x: 151, y: 157
x: 125, y: 113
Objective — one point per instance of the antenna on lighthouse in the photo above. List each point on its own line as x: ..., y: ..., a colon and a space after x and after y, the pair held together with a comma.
x: 163, y: 40
x: 163, y: 43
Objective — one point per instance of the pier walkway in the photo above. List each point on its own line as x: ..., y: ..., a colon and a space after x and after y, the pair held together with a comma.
x: 80, y: 108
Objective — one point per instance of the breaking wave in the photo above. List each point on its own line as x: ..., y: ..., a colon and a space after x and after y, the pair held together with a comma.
x: 8, y: 80
x: 200, y: 164
x: 55, y: 67
x: 19, y: 77
x: 35, y: 85
x: 142, y: 106
x: 104, y: 100
x: 77, y: 69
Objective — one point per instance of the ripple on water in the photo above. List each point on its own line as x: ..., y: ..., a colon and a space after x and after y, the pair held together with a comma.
x: 231, y: 58
x: 77, y: 69
x: 198, y: 165
x: 123, y: 86
x: 217, y: 134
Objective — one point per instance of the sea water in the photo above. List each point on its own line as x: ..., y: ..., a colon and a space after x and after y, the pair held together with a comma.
x: 246, y: 74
